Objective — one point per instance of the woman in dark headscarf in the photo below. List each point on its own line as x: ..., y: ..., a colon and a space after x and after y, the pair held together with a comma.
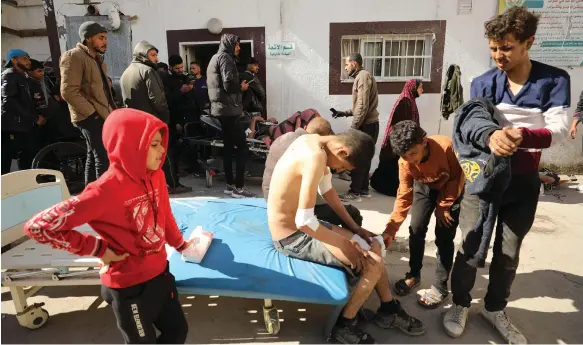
x: 385, y: 179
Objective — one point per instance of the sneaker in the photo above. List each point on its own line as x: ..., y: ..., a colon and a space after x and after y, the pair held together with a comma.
x: 179, y: 189
x: 344, y: 176
x: 229, y: 189
x: 365, y: 194
x: 350, y: 333
x: 350, y: 196
x: 242, y: 193
x: 502, y: 323
x: 398, y: 318
x: 455, y: 320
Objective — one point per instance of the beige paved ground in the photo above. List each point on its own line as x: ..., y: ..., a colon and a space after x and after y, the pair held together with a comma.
x: 546, y: 301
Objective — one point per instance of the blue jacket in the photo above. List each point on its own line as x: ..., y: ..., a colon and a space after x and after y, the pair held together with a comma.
x: 486, y: 174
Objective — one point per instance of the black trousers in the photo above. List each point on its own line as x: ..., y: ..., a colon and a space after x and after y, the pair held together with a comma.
x: 170, y: 166
x: 97, y: 161
x: 424, y: 203
x: 21, y: 145
x: 234, y: 140
x: 140, y: 308
x: 359, y: 175
x: 515, y: 218
x: 326, y: 213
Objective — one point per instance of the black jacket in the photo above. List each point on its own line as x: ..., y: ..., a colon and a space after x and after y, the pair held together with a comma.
x: 18, y: 109
x: 254, y: 97
x: 223, y: 81
x: 141, y: 85
x: 44, y: 102
x: 487, y: 175
x: 182, y: 105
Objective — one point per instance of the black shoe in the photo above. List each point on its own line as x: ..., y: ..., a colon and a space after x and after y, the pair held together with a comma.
x: 398, y: 318
x: 348, y: 332
x: 179, y: 189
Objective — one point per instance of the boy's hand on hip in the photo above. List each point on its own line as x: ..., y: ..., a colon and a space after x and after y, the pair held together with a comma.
x: 110, y: 256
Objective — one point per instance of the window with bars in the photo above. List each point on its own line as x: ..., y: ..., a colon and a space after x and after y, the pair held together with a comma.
x: 391, y: 57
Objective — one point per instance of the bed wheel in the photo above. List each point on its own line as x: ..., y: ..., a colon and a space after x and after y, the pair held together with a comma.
x: 209, y: 179
x: 33, y: 317
x: 271, y: 318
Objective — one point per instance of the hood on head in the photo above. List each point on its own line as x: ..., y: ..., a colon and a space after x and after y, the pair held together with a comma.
x: 127, y: 135
x: 228, y: 43
x: 141, y: 53
x: 411, y: 87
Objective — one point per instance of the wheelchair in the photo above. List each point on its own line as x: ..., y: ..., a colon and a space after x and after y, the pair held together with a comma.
x: 67, y: 154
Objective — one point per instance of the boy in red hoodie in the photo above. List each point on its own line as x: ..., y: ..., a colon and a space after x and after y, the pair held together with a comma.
x: 129, y: 208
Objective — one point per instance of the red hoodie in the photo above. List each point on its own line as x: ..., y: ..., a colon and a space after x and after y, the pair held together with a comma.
x: 128, y: 206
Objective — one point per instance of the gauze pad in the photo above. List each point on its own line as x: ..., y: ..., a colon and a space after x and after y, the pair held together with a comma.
x: 306, y: 217
x: 196, y: 251
x: 366, y: 246
x: 325, y: 183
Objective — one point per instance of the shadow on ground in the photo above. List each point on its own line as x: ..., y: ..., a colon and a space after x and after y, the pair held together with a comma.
x: 545, y: 305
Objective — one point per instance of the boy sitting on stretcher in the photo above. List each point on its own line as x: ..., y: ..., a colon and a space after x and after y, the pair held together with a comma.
x: 303, y: 171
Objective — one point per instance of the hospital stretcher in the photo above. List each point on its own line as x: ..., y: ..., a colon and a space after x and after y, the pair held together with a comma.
x: 241, y: 261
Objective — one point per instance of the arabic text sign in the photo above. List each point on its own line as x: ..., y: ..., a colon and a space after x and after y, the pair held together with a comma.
x: 281, y: 50
x: 559, y: 37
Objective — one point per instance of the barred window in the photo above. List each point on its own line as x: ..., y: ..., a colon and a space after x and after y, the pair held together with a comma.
x: 391, y: 57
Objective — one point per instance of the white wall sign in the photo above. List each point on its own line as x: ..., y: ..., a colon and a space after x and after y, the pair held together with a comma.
x: 281, y: 50
x: 559, y: 38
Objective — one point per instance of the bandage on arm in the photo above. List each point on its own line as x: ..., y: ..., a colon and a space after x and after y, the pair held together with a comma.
x: 313, y: 168
x: 325, y: 183
x: 329, y: 194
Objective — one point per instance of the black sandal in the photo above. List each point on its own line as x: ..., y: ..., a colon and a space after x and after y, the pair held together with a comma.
x: 403, y: 289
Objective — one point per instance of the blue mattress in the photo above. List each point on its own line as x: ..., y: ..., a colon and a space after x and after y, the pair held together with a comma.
x: 242, y: 262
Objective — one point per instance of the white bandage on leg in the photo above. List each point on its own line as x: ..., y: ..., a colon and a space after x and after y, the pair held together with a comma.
x: 306, y: 217
x: 361, y: 242
x: 325, y: 183
x: 366, y: 246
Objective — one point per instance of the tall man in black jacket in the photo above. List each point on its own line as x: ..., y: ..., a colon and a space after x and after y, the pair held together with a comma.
x: 225, y: 90
x: 18, y: 112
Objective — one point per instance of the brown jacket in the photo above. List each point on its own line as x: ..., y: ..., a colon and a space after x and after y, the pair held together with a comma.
x: 82, y: 85
x: 365, y: 99
x: 441, y: 172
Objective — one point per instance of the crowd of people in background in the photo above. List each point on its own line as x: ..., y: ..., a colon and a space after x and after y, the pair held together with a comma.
x: 429, y: 175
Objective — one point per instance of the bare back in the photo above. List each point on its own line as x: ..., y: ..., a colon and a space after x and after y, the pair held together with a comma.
x: 284, y: 189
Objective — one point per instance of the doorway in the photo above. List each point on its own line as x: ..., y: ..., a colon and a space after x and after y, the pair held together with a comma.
x: 202, y: 52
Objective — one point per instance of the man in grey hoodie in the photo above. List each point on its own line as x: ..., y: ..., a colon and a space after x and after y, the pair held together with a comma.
x: 224, y: 88
x: 141, y: 85
x: 142, y: 89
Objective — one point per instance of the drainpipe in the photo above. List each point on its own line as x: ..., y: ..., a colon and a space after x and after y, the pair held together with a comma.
x: 51, y: 23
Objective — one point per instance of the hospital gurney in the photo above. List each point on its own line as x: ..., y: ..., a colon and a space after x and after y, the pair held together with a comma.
x: 28, y: 264
x: 241, y: 261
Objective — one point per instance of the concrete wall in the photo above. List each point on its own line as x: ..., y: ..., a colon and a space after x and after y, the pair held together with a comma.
x: 29, y: 15
x: 303, y: 82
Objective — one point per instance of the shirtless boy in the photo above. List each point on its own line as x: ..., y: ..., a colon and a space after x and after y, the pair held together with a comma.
x: 301, y: 173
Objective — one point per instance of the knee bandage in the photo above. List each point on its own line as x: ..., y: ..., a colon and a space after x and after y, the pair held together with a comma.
x: 325, y: 183
x: 306, y: 217
x: 366, y: 246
